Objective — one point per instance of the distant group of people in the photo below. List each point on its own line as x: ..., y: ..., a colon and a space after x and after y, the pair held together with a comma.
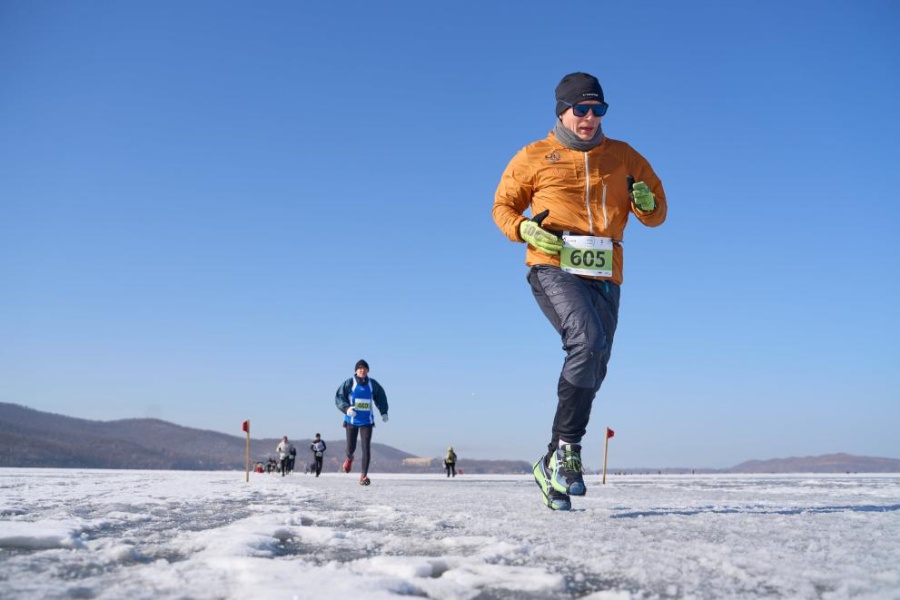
x: 287, y: 457
x: 356, y: 399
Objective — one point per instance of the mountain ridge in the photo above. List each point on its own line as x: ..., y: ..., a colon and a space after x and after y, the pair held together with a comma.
x: 839, y: 462
x: 32, y: 438
x: 36, y: 439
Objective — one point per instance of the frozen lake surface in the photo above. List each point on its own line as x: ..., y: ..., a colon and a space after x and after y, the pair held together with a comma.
x: 210, y: 535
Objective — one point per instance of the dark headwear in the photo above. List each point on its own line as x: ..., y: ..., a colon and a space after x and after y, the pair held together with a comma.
x: 361, y: 363
x: 575, y: 88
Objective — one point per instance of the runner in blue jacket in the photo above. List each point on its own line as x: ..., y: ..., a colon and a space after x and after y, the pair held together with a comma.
x: 355, y: 398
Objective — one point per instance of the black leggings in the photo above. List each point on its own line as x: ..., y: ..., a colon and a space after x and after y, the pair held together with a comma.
x: 365, y: 433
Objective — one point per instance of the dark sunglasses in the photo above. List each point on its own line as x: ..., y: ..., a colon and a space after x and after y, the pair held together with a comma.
x: 581, y: 110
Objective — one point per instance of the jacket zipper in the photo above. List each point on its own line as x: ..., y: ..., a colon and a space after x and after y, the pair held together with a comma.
x: 587, y: 193
x: 605, y: 216
x: 587, y: 197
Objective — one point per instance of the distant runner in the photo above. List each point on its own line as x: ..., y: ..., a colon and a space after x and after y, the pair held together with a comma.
x: 318, y: 448
x: 355, y: 398
x: 450, y: 462
x: 284, y: 457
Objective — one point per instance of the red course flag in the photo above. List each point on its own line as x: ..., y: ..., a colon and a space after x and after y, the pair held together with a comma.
x: 609, y: 433
x: 246, y: 426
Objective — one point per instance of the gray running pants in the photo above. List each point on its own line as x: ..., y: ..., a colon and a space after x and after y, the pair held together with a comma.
x: 585, y: 313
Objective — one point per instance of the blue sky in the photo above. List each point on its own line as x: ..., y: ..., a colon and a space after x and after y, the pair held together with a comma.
x: 210, y: 210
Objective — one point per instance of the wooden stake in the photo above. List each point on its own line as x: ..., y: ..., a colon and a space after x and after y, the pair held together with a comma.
x: 605, y: 449
x: 247, y: 459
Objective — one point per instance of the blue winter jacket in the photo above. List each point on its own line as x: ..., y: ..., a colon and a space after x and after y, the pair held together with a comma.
x: 344, y: 398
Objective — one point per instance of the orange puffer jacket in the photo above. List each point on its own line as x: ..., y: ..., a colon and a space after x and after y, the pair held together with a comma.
x: 586, y: 193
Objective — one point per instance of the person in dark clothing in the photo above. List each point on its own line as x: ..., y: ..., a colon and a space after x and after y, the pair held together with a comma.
x: 354, y: 398
x: 318, y: 448
x: 292, y: 458
x: 450, y: 462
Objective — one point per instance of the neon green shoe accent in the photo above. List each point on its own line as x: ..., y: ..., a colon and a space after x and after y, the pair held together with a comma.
x: 553, y: 499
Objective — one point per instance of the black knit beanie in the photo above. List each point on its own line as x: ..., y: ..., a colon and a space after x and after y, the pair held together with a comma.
x: 575, y: 88
x: 361, y: 363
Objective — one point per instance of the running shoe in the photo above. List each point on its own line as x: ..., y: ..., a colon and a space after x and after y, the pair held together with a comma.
x: 565, y: 470
x: 347, y: 465
x: 553, y: 499
x: 363, y: 480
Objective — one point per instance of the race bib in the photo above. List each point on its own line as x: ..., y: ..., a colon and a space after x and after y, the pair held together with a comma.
x: 587, y: 255
x: 362, y: 405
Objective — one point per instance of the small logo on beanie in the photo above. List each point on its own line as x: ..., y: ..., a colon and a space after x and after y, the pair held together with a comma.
x: 590, y: 95
x: 553, y: 157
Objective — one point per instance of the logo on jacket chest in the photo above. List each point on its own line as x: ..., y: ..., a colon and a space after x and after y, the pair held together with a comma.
x: 553, y: 157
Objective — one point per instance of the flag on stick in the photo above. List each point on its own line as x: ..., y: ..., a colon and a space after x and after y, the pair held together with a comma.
x: 609, y: 434
x: 245, y: 426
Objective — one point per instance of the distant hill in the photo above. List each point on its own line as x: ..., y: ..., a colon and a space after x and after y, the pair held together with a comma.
x: 828, y: 463
x: 31, y: 438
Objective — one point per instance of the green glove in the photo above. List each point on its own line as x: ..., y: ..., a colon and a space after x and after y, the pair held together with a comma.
x: 643, y: 197
x: 541, y: 239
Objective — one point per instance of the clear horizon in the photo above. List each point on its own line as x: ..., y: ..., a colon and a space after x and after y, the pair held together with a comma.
x: 588, y: 467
